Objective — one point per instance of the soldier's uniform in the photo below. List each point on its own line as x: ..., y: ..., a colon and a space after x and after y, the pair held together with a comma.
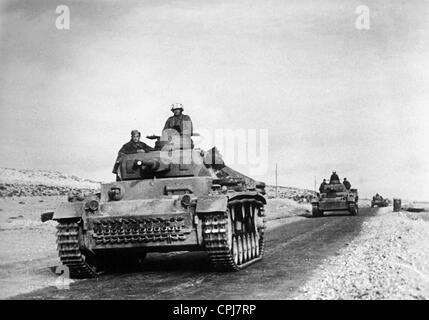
x: 334, y: 178
x: 133, y: 147
x: 129, y: 148
x: 181, y: 123
x: 347, y: 184
x: 322, y: 186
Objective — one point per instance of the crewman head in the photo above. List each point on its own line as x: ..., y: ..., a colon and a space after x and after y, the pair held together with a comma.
x: 177, y: 108
x: 135, y: 136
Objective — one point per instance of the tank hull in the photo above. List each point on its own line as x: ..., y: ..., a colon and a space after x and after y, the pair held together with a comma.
x: 335, y: 205
x: 379, y: 203
x: 229, y: 226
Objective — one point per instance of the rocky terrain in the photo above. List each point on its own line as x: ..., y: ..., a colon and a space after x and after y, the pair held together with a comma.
x: 388, y: 260
x: 296, y: 194
x: 25, y: 183
x: 22, y: 183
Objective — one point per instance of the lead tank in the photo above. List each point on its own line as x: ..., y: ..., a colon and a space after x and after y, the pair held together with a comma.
x: 175, y: 198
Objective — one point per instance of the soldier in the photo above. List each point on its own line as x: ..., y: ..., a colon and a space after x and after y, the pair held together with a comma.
x: 334, y: 178
x: 322, y: 186
x: 180, y: 122
x: 347, y: 184
x: 132, y: 146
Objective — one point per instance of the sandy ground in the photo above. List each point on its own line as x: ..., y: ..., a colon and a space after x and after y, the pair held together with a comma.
x: 28, y: 256
x: 388, y: 260
x: 27, y: 246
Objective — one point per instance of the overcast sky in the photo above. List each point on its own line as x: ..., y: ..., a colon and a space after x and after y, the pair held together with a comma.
x: 332, y: 97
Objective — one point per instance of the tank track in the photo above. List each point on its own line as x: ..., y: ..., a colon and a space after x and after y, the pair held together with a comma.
x: 70, y: 253
x: 219, y: 238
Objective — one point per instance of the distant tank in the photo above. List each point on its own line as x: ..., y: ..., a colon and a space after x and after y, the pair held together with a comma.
x: 379, y: 201
x: 335, y: 197
x: 175, y: 198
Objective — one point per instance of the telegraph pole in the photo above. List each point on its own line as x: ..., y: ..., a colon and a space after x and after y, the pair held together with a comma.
x: 277, y: 183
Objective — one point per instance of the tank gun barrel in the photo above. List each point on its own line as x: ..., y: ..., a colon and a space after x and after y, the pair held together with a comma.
x: 153, y: 137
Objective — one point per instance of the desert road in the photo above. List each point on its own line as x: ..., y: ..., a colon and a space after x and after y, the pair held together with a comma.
x: 293, y: 250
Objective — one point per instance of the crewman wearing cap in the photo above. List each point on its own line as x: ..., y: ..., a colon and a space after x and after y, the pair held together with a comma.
x: 132, y: 146
x: 180, y: 122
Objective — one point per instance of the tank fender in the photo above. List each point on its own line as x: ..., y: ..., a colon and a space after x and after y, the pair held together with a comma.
x: 210, y: 204
x: 244, y: 195
x: 69, y: 210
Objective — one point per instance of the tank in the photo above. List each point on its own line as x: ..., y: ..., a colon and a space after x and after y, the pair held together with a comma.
x: 175, y: 198
x: 335, y: 197
x: 397, y: 205
x: 379, y: 201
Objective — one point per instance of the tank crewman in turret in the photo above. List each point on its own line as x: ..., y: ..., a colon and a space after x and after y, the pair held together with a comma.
x: 334, y: 178
x: 347, y: 184
x: 132, y: 146
x: 322, y: 186
x: 180, y: 122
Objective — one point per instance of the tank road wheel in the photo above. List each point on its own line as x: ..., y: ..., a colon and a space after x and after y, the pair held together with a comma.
x: 243, y: 250
x: 81, y: 264
x: 240, y: 250
x: 253, y: 245
x: 235, y: 251
x: 234, y: 238
x: 249, y: 247
x: 256, y: 239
